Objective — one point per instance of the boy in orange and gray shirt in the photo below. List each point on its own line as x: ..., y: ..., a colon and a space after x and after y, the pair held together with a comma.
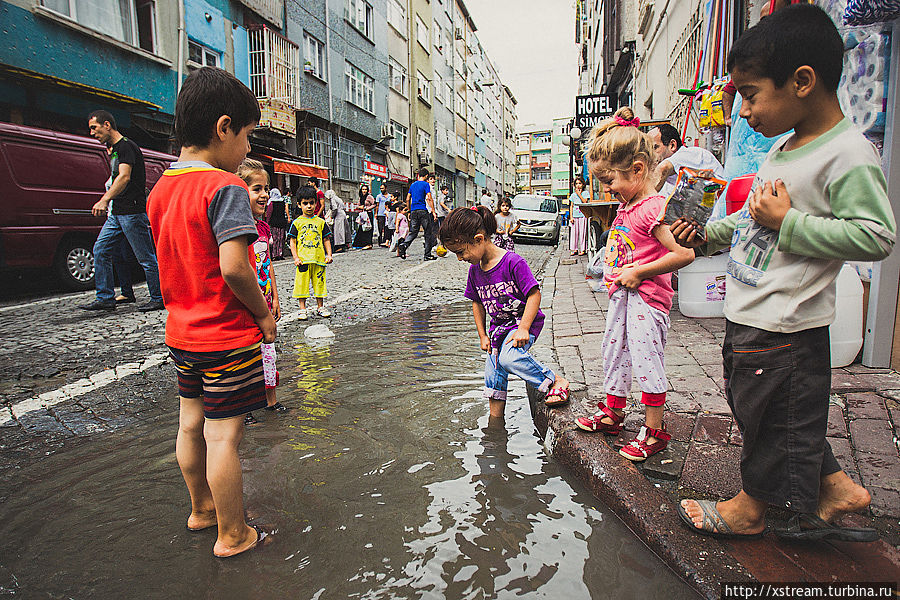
x: 203, y: 227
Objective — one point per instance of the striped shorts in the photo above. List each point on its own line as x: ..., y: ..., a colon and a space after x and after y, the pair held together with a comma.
x: 229, y: 381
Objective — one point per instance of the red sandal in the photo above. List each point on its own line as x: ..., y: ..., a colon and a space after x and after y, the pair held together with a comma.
x: 638, y: 450
x: 557, y: 396
x: 595, y: 422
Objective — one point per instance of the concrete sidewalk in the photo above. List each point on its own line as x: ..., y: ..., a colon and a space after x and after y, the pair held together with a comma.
x: 702, y: 458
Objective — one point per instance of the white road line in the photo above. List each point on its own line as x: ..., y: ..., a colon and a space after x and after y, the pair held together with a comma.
x: 107, y: 376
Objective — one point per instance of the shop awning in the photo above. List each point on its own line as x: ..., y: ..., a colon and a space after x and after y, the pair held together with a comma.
x: 290, y: 167
x: 9, y: 71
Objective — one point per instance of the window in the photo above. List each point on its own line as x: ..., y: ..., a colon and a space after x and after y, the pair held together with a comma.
x: 274, y: 65
x: 320, y: 147
x: 438, y: 88
x: 129, y: 21
x: 423, y: 143
x: 424, y: 87
x: 398, y: 77
x: 422, y: 33
x: 401, y: 138
x: 359, y: 13
x: 201, y: 55
x: 438, y: 37
x: 315, y: 56
x: 448, y: 94
x: 396, y: 16
x: 360, y: 88
x: 350, y: 160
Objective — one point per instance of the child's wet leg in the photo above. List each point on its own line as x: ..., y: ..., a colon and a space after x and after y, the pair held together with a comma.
x: 497, y: 408
x: 838, y: 494
x: 223, y: 472
x: 190, y: 450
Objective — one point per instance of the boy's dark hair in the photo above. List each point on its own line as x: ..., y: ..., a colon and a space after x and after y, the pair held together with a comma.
x: 795, y: 36
x: 306, y: 192
x: 102, y: 117
x: 669, y: 133
x: 313, y: 181
x: 445, y: 187
x: 423, y: 173
x: 207, y: 94
x: 462, y: 224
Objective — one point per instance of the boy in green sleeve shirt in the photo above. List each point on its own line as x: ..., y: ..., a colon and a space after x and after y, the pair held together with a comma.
x: 819, y: 199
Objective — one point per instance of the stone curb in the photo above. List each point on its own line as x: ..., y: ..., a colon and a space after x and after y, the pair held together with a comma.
x: 646, y: 510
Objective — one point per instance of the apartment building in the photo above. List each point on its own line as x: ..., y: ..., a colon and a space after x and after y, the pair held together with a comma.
x: 509, y: 142
x: 350, y: 91
x: 534, y: 160
x: 559, y: 161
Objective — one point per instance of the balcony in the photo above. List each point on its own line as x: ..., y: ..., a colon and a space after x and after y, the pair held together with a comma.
x: 274, y: 66
x: 541, y: 145
x: 270, y: 10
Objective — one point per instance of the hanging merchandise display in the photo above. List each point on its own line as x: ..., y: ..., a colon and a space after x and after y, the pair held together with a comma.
x: 867, y: 12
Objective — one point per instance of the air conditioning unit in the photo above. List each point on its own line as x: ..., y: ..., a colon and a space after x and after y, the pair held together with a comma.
x: 387, y: 130
x: 424, y: 158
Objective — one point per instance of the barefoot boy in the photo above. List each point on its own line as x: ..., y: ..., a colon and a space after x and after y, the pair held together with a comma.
x: 200, y: 215
x: 819, y: 199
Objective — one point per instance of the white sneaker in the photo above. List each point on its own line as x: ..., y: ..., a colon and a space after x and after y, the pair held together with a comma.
x: 324, y: 312
x: 303, y: 314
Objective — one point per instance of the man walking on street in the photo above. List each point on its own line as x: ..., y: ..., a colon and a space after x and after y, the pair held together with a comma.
x: 381, y: 215
x: 420, y: 203
x: 126, y: 218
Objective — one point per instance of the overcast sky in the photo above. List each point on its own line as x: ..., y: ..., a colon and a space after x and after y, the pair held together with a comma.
x: 532, y: 44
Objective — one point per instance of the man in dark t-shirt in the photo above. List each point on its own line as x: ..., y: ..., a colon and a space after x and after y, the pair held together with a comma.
x: 125, y: 206
x: 420, y: 203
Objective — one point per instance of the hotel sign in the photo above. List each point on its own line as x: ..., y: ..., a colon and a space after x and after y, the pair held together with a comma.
x: 593, y: 108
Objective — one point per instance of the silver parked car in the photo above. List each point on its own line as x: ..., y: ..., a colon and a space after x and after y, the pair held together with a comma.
x: 538, y: 217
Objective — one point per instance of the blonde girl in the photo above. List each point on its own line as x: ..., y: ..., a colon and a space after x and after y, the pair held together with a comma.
x: 641, y: 254
x: 254, y: 175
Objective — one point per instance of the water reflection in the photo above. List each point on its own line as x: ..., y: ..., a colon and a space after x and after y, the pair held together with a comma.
x: 385, y: 480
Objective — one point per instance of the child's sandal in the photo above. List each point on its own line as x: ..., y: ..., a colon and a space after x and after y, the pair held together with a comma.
x: 595, y: 421
x: 638, y: 450
x: 557, y: 396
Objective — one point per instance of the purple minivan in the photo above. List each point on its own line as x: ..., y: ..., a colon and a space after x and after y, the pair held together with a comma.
x: 48, y: 183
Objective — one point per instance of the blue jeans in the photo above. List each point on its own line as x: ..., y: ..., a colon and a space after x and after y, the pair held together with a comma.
x: 509, y: 359
x: 420, y: 218
x: 135, y: 229
x: 121, y: 260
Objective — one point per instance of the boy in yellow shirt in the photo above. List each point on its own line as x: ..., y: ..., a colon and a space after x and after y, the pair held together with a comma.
x: 310, y: 241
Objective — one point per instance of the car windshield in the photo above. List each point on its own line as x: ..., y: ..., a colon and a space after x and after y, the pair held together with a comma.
x: 538, y: 203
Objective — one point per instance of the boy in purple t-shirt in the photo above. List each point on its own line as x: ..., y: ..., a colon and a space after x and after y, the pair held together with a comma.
x: 501, y: 285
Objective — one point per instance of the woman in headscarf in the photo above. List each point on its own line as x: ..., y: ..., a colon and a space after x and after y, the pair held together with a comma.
x: 336, y: 217
x: 278, y: 220
x: 363, y: 237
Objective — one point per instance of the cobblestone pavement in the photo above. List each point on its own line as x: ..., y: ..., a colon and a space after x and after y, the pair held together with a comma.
x: 703, y: 458
x: 66, y: 373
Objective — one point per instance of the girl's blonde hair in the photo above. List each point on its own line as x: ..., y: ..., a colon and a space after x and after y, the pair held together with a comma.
x: 249, y: 167
x: 613, y: 145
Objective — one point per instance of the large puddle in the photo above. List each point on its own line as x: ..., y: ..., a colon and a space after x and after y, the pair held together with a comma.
x: 386, y: 480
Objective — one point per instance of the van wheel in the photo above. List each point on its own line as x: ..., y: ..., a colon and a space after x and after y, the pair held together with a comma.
x: 74, y: 264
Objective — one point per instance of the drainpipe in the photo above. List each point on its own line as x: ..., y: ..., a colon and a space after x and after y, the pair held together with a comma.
x: 333, y: 169
x: 181, y: 43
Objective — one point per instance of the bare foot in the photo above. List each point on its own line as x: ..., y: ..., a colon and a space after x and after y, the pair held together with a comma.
x: 838, y: 494
x: 560, y: 383
x: 249, y: 541
x: 741, y: 513
x: 202, y: 519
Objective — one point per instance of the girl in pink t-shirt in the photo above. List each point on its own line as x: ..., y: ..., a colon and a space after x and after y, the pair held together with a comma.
x: 641, y: 254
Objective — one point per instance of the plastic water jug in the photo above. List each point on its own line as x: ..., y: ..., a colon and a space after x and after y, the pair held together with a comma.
x: 701, y: 287
x: 847, y: 330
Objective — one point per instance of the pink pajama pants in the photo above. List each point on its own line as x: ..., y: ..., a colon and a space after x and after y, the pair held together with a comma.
x: 634, y: 343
